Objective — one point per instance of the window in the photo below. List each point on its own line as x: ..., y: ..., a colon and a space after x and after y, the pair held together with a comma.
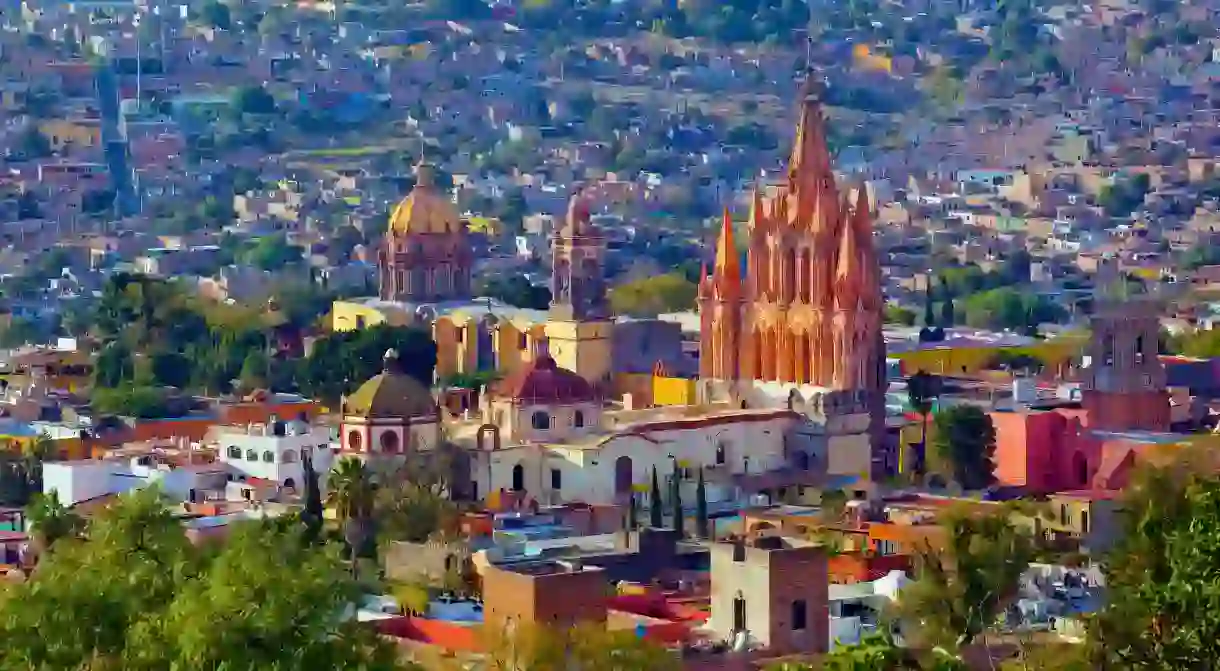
x: 721, y: 456
x: 234, y: 452
x: 353, y: 441
x: 389, y: 442
x: 1064, y: 514
x: 289, y: 457
x: 578, y: 419
x: 518, y: 478
x: 521, y: 343
x: 556, y: 479
x: 268, y: 457
x: 251, y: 455
x: 1084, y: 521
x: 541, y: 421
x: 800, y: 615
x: 739, y: 613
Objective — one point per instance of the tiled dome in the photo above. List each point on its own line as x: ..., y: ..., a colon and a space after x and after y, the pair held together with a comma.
x: 544, y: 382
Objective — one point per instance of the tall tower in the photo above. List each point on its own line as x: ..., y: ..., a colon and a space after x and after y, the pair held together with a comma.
x: 579, y: 328
x: 1124, y: 385
x: 720, y: 306
x: 425, y: 255
x: 810, y: 304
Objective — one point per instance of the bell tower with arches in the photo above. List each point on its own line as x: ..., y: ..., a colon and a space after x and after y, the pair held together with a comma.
x: 1124, y: 386
x: 579, y: 328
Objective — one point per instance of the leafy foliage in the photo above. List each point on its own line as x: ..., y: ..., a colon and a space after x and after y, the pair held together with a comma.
x: 21, y: 470
x: 341, y: 361
x: 587, y: 647
x: 961, y: 590
x: 1161, y: 575
x: 964, y: 446
x: 133, y: 593
x: 654, y: 295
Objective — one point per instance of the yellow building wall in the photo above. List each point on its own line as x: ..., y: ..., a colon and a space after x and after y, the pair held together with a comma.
x: 970, y: 360
x: 61, y: 133
x: 673, y: 391
x: 349, y: 316
x: 582, y: 347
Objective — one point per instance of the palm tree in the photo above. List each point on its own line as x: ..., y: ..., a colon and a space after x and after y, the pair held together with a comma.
x: 921, y: 395
x: 50, y: 521
x: 352, y: 493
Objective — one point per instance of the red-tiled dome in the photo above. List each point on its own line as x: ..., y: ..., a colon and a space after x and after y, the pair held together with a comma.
x: 543, y: 381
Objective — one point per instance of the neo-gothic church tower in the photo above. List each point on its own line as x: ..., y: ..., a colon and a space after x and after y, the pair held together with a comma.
x: 808, y: 310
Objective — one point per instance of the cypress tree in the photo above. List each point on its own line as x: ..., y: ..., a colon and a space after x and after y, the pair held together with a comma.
x: 655, y: 517
x: 676, y: 503
x: 311, y: 513
x: 701, y: 522
x: 946, y: 309
x: 929, y: 316
x: 633, y: 514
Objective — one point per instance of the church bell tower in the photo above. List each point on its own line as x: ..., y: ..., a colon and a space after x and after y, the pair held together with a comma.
x: 579, y: 329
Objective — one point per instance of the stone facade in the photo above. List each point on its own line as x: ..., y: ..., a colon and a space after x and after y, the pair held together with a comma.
x: 772, y: 590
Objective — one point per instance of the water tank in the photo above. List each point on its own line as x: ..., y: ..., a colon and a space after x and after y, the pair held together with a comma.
x: 1024, y: 390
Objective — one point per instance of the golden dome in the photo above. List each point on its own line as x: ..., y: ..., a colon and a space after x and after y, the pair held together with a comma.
x: 425, y: 209
x: 390, y: 394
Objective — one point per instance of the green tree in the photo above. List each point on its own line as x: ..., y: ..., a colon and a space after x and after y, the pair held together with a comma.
x: 964, y: 446
x: 50, y: 521
x: 654, y: 295
x: 340, y: 361
x: 216, y: 15
x: 142, y: 402
x: 1009, y: 308
x: 412, y: 504
x: 131, y: 592
x: 255, y: 370
x: 253, y: 100
x: 675, y: 500
x: 353, y: 493
x: 702, y: 527
x: 656, y: 518
x: 311, y: 511
x: 1159, y: 574
x: 959, y: 591
x: 897, y: 314
x: 518, y: 292
x: 32, y: 144
x: 921, y: 397
x: 273, y: 252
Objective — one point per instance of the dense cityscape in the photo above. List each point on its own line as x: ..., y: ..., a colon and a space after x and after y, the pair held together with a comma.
x: 609, y: 335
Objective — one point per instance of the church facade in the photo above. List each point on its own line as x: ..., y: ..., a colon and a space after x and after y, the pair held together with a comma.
x: 801, y: 326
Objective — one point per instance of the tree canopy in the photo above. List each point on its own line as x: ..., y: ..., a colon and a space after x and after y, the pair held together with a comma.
x: 1161, y: 575
x: 654, y: 295
x: 133, y: 593
x: 963, y: 446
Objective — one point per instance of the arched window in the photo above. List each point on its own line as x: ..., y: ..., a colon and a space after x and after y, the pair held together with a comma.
x: 540, y: 420
x: 518, y: 478
x: 578, y: 419
x: 353, y: 441
x: 251, y: 455
x: 721, y: 456
x: 268, y: 456
x: 234, y: 452
x: 389, y: 442
x: 289, y: 457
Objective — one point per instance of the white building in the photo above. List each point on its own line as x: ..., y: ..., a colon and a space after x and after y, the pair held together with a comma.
x: 273, y: 453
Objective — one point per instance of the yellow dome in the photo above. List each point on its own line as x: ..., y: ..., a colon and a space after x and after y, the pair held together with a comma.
x: 424, y: 210
x: 390, y: 394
